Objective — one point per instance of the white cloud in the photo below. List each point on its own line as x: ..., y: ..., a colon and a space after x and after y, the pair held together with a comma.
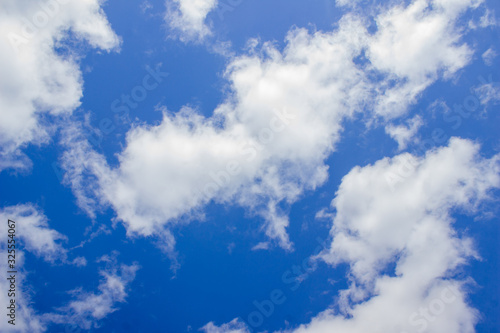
x: 488, y: 92
x: 32, y: 234
x: 88, y: 307
x: 261, y: 246
x: 413, y: 45
x: 488, y: 19
x: 79, y: 261
x: 404, y: 134
x: 232, y: 327
x: 26, y: 318
x: 15, y: 160
x: 488, y: 56
x: 267, y: 142
x: 33, y: 230
x: 146, y: 6
x: 187, y: 18
x: 381, y: 223
x: 410, y: 225
x: 36, y: 81
x: 378, y: 223
x: 365, y: 4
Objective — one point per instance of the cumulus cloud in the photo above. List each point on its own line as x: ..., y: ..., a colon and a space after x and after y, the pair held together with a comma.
x: 413, y: 44
x: 267, y: 142
x: 187, y: 18
x: 39, y: 73
x: 406, y: 195
x: 407, y: 225
x: 404, y: 134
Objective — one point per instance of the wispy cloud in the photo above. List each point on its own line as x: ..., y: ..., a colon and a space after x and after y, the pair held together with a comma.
x: 88, y: 308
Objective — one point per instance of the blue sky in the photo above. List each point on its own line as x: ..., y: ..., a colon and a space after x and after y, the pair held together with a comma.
x: 234, y: 166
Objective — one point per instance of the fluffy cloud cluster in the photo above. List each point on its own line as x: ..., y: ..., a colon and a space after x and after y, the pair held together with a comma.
x: 39, y: 73
x: 379, y: 224
x: 407, y: 223
x: 187, y: 18
x: 267, y: 142
x: 413, y: 44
